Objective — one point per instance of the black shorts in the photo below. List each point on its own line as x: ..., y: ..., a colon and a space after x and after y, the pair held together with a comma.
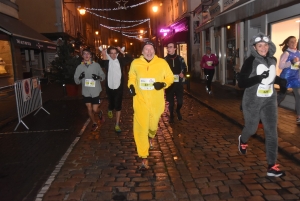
x: 95, y: 100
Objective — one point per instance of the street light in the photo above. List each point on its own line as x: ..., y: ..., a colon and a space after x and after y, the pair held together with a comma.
x: 81, y: 10
x: 155, y: 8
x: 96, y: 32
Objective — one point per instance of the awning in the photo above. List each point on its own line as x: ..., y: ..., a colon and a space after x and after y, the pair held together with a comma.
x: 23, y: 35
x: 179, y: 37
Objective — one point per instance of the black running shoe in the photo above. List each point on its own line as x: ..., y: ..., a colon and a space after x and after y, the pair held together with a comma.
x: 242, y: 146
x: 274, y: 171
x: 94, y: 127
x: 100, y: 115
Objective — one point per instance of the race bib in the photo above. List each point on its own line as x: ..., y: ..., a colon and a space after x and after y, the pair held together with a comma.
x: 176, y: 78
x: 295, y: 66
x: 147, y: 83
x: 89, y: 83
x: 264, y: 90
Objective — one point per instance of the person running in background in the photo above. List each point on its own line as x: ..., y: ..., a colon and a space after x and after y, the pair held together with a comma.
x: 114, y: 63
x: 289, y: 63
x: 178, y: 67
x: 89, y: 74
x: 208, y: 63
x: 257, y: 76
x: 148, y: 76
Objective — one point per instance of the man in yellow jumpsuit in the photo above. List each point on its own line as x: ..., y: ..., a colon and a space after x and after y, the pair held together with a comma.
x: 148, y: 76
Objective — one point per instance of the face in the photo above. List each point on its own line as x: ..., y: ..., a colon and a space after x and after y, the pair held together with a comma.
x: 262, y: 48
x: 113, y: 54
x: 86, y: 56
x: 171, y: 49
x: 292, y: 44
x: 148, y: 52
x: 208, y: 51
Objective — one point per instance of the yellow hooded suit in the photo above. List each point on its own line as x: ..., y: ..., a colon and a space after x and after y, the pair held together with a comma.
x: 148, y: 103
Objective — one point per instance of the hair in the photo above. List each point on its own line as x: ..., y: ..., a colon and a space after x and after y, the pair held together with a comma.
x: 112, y: 48
x: 285, y: 43
x: 174, y: 44
x: 86, y: 50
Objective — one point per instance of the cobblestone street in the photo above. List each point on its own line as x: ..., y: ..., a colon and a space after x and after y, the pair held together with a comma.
x: 193, y: 159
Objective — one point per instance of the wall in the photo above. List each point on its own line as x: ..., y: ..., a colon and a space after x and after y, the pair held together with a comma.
x: 39, y: 15
x: 9, y: 8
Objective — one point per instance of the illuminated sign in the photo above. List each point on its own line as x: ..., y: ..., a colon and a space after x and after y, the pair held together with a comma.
x: 165, y: 30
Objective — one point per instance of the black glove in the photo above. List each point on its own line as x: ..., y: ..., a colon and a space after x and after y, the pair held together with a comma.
x: 81, y: 75
x: 95, y: 77
x: 132, y: 90
x: 159, y: 85
x: 265, y: 74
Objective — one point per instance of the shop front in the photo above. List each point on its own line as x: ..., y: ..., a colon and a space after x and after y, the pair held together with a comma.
x: 23, y: 51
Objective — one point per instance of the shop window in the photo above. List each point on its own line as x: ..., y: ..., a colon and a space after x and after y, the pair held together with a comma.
x: 6, y: 64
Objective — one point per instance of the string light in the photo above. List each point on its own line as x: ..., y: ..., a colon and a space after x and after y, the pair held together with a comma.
x: 136, y: 37
x: 126, y: 26
x: 115, y: 19
x: 120, y: 8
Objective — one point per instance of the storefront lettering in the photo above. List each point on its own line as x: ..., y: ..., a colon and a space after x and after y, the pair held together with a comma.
x: 23, y: 42
x: 228, y: 3
x: 39, y: 45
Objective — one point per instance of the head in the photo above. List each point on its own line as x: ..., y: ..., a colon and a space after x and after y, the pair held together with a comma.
x: 262, y: 45
x: 148, y: 50
x: 86, y: 55
x: 113, y: 52
x: 208, y: 50
x: 289, y: 42
x: 171, y: 48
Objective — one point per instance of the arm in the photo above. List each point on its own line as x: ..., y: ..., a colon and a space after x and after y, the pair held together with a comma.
x: 216, y: 60
x: 132, y: 76
x: 183, y: 68
x: 282, y: 62
x: 101, y: 73
x: 77, y: 74
x: 282, y: 84
x: 244, y: 81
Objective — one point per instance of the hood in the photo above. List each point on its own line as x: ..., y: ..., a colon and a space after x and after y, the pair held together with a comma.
x: 261, y: 37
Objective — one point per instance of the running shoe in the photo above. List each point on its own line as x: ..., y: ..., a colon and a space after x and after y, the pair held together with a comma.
x: 210, y: 92
x: 144, y: 166
x: 242, y: 146
x: 110, y: 114
x: 100, y: 115
x: 206, y: 89
x: 274, y: 171
x: 118, y: 129
x: 298, y: 121
x: 94, y: 127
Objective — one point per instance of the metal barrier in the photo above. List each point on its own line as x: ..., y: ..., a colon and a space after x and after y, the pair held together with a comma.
x: 28, y: 98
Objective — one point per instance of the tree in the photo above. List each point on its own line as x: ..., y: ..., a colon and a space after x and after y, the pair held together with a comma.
x: 65, y: 62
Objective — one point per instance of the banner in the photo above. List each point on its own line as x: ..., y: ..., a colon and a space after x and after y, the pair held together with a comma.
x: 26, y: 89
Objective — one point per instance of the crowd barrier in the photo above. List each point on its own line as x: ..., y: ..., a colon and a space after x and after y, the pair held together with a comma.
x: 28, y: 98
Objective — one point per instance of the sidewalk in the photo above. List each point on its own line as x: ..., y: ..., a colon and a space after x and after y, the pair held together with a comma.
x: 226, y: 101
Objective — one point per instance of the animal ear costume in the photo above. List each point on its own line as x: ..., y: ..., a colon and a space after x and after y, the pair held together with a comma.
x: 259, y: 102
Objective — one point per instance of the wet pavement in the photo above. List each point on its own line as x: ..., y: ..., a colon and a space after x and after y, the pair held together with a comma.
x: 192, y: 159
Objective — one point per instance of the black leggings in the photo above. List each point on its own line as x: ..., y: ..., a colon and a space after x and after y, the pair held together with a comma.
x: 175, y: 89
x: 209, y: 74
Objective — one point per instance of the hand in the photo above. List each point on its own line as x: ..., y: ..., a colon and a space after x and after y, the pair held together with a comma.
x: 82, y: 75
x: 95, y: 77
x: 159, y: 85
x: 265, y: 74
x: 132, y: 90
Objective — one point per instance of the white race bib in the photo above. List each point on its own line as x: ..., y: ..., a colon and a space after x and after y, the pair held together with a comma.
x: 295, y: 66
x: 176, y: 78
x: 147, y: 83
x: 89, y: 83
x: 264, y: 90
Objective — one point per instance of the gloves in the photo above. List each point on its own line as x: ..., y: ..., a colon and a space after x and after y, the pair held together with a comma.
x: 159, y: 85
x: 95, y: 77
x: 132, y: 90
x: 81, y: 75
x: 265, y: 74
